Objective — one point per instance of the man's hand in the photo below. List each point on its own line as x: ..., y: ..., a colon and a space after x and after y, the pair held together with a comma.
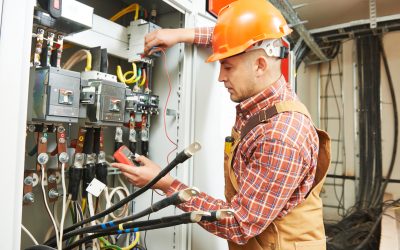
x: 165, y: 38
x: 140, y: 176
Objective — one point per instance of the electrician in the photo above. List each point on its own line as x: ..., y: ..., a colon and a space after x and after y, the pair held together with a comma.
x: 275, y: 159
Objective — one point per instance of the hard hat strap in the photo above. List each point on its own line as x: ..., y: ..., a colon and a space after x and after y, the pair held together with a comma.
x: 270, y: 49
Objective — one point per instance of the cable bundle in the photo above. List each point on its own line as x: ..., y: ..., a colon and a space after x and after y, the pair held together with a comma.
x: 360, y: 228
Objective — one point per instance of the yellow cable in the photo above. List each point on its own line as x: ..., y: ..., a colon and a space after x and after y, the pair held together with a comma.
x: 133, y: 79
x: 138, y: 76
x: 129, y: 9
x: 123, y: 77
x: 83, y: 204
x: 120, y: 75
x: 77, y: 57
x: 121, y: 13
x: 88, y: 61
x: 137, y: 12
x: 134, y: 243
x: 143, y: 78
x: 133, y: 72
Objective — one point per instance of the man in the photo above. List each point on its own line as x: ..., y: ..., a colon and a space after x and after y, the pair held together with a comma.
x: 272, y: 181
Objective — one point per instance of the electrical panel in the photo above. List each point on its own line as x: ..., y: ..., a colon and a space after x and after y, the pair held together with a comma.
x: 53, y: 95
x: 78, y: 117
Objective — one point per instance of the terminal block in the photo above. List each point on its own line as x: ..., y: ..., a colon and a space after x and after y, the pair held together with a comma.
x: 53, y: 95
x: 142, y: 103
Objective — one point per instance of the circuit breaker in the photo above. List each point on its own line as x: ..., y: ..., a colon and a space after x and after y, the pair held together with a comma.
x: 108, y: 108
x: 53, y: 95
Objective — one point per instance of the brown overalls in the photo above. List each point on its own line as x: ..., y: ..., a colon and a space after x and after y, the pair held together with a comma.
x: 302, y: 228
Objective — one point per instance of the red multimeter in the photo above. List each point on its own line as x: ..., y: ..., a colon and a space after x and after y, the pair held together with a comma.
x: 124, y: 155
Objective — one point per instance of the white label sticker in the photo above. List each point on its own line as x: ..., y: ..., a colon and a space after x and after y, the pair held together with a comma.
x: 95, y: 187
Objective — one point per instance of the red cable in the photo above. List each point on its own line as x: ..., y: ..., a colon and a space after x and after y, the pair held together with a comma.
x: 169, y: 94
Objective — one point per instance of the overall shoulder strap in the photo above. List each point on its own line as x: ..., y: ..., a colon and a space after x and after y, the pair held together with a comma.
x: 264, y: 115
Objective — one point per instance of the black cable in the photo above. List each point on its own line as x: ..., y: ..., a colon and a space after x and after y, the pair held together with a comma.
x: 396, y: 120
x: 180, y: 158
x: 341, y: 124
x: 88, y: 171
x: 361, y: 121
x: 340, y: 205
x: 359, y: 229
x: 139, y: 247
x: 148, y: 218
x: 33, y: 151
x: 145, y: 228
x: 175, y: 199
x: 375, y: 52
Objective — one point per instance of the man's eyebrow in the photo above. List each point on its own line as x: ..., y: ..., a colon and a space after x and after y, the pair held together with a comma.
x: 224, y: 62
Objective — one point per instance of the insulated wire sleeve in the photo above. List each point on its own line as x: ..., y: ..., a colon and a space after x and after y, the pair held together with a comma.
x: 29, y: 234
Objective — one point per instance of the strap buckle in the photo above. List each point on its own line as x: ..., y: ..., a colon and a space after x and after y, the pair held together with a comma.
x: 262, y: 117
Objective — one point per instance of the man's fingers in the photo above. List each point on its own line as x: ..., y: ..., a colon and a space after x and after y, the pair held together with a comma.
x: 129, y: 176
x: 153, y: 43
x: 124, y: 167
x: 143, y: 160
x: 150, y: 36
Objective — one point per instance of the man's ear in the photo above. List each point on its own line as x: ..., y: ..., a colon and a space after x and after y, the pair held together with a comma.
x: 261, y: 65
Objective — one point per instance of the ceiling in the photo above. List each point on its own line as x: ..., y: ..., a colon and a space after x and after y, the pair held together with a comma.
x: 322, y: 13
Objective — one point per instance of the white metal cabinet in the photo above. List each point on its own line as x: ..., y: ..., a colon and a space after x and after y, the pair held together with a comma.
x: 181, y: 5
x: 214, y: 118
x: 15, y: 40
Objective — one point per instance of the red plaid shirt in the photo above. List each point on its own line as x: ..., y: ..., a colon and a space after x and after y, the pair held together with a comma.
x: 203, y: 36
x: 275, y: 165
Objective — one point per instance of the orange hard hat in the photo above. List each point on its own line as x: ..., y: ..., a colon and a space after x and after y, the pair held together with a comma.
x: 243, y: 23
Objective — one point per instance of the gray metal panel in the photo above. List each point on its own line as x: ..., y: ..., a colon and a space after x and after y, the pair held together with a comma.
x: 214, y: 117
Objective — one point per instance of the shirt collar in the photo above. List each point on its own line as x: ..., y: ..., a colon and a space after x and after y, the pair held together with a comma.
x: 264, y: 99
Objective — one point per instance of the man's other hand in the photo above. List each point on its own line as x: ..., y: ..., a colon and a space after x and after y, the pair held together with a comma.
x: 140, y: 176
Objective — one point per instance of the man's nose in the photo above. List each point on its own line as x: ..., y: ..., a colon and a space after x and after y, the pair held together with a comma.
x: 222, y: 76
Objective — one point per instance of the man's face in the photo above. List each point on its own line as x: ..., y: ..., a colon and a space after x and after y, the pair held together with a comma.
x: 238, y: 77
